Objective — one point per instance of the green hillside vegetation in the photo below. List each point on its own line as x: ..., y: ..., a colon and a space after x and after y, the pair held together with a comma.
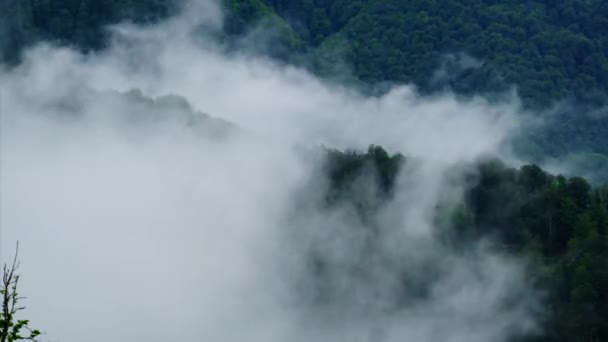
x: 77, y: 23
x: 559, y: 224
x: 549, y: 50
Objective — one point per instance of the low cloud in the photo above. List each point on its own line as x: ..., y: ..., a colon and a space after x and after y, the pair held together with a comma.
x: 154, y: 189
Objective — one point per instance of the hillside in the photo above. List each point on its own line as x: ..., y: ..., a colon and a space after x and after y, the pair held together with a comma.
x: 559, y: 224
x: 550, y: 51
x: 555, y: 54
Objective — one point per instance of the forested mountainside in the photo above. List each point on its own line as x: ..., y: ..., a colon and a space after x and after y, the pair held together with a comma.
x: 77, y: 23
x: 552, y: 52
x: 555, y: 53
x: 549, y: 49
x: 559, y: 223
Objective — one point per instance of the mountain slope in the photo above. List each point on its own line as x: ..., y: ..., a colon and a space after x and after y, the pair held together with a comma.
x: 549, y: 50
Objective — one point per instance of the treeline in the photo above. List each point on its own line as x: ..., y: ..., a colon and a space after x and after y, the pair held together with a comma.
x: 77, y: 23
x: 559, y: 224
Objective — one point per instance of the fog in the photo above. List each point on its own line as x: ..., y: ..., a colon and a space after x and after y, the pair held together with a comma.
x: 164, y: 189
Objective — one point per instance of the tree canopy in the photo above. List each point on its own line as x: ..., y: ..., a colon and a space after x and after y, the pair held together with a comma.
x: 559, y: 224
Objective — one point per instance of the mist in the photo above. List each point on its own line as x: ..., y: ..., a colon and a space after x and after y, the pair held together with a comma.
x: 165, y: 189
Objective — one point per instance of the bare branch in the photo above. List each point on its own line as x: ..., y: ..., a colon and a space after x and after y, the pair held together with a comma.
x: 10, y: 328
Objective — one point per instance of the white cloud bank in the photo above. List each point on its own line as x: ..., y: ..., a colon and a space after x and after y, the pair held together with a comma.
x: 138, y: 225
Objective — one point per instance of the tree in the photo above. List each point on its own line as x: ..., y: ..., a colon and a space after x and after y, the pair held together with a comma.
x: 12, y: 329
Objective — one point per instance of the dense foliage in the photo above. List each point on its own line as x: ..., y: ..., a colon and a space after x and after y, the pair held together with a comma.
x: 549, y: 49
x: 78, y: 23
x: 560, y: 224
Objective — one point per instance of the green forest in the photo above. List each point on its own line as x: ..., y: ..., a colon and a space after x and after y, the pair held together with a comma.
x: 560, y: 224
x: 549, y: 50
